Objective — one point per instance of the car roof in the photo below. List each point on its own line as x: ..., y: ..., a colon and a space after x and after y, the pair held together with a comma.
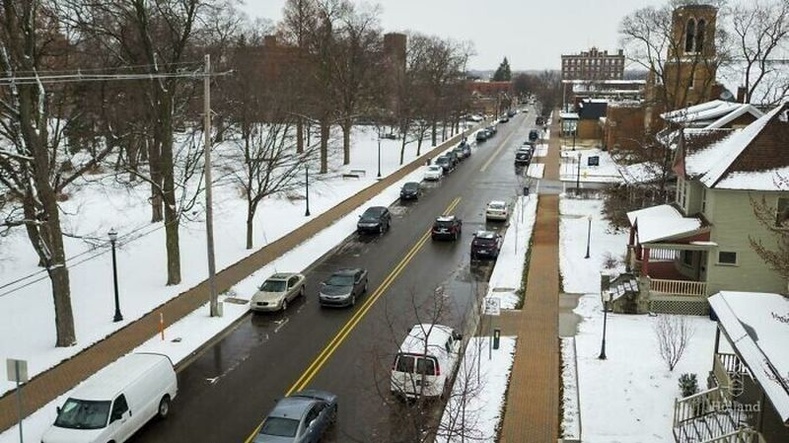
x: 497, y: 202
x: 292, y: 407
x: 410, y: 184
x: 282, y: 275
x: 437, y: 336
x: 346, y: 271
x: 434, y: 167
x: 485, y: 234
x: 445, y: 218
x: 112, y: 380
x: 375, y: 209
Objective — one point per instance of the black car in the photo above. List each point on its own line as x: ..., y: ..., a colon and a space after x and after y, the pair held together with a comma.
x: 512, y: 113
x: 343, y: 287
x: 486, y: 244
x: 540, y: 120
x: 523, y: 156
x: 466, y: 150
x: 445, y: 163
x: 534, y: 135
x: 492, y: 129
x: 446, y: 227
x: 482, y: 135
x: 374, y: 219
x: 410, y: 191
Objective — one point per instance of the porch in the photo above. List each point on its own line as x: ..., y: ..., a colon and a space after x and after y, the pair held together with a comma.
x: 712, y: 416
x: 669, y: 290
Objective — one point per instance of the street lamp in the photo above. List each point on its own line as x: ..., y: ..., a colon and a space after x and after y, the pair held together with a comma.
x: 113, y: 235
x: 606, y: 299
x: 574, y: 132
x: 307, y: 188
x: 379, y: 154
x: 588, y: 235
x: 578, y: 176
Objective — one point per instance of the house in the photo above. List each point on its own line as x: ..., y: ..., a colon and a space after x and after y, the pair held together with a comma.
x: 715, y: 114
x: 590, y: 111
x: 700, y: 244
x: 747, y: 399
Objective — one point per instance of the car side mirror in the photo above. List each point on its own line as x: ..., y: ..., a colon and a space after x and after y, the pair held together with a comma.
x: 57, y: 409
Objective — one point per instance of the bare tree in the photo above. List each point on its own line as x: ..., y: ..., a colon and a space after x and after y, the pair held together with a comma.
x: 774, y: 218
x: 760, y: 28
x: 673, y: 334
x: 35, y: 166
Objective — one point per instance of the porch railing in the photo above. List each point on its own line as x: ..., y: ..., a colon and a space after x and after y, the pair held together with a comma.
x: 662, y: 255
x: 678, y: 287
x: 745, y: 435
x: 726, y: 368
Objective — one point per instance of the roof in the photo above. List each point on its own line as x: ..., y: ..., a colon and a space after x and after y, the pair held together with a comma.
x: 497, y: 203
x: 592, y: 109
x: 107, y: 383
x: 662, y: 222
x: 753, y: 158
x: 445, y: 218
x: 292, y: 407
x: 485, y: 234
x: 757, y: 325
x: 435, y: 334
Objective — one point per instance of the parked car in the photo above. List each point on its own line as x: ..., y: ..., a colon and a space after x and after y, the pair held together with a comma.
x: 277, y: 291
x: 504, y: 118
x: 486, y: 244
x: 512, y: 113
x: 492, y: 129
x: 534, y: 135
x: 374, y: 219
x: 426, y: 362
x: 523, y: 156
x: 497, y: 210
x: 343, y: 287
x: 410, y: 191
x: 433, y: 173
x: 458, y: 152
x: 446, y: 164
x: 466, y: 148
x: 446, y: 226
x: 114, y: 403
x: 302, y: 417
x: 453, y: 157
x: 481, y: 135
x: 540, y: 120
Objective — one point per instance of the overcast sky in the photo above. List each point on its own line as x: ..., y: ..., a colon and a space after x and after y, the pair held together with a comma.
x: 531, y: 34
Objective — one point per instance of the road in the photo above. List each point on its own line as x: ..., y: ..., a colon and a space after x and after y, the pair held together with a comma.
x: 227, y: 390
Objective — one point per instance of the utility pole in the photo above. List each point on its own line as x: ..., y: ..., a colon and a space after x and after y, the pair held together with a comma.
x: 209, y: 212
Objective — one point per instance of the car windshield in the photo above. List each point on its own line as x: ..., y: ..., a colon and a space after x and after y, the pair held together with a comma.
x: 443, y: 223
x: 411, y: 186
x: 280, y: 427
x: 441, y: 160
x: 435, y: 168
x: 484, y: 242
x: 496, y: 205
x: 273, y: 286
x: 340, y: 280
x: 83, y: 414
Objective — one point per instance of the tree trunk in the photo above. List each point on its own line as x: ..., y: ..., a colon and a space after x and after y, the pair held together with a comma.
x: 346, y: 141
x: 402, y: 152
x: 171, y: 217
x: 300, y: 135
x: 154, y: 162
x: 324, y: 147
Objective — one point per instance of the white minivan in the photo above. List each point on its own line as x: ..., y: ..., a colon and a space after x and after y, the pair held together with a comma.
x: 114, y: 403
x: 426, y: 361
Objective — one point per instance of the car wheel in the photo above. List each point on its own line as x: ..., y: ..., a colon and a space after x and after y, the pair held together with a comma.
x: 366, y: 284
x: 381, y: 228
x: 164, y: 407
x: 353, y: 299
x: 284, y: 304
x: 301, y: 292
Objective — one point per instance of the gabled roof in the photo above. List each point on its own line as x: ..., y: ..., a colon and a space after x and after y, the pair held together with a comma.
x: 662, y: 222
x: 704, y: 114
x: 754, y: 158
x: 757, y: 328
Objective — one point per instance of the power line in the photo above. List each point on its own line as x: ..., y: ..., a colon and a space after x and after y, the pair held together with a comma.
x: 80, y: 77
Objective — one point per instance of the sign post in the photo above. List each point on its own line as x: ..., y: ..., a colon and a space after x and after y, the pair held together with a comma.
x: 17, y: 372
x: 492, y: 309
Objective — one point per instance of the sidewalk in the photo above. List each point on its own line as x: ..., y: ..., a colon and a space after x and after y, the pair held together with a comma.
x: 532, y: 408
x: 54, y: 382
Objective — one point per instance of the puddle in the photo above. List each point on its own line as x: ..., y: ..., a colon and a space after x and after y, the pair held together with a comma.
x: 568, y: 320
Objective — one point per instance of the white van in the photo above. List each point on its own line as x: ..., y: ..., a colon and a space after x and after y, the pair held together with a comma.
x: 426, y: 361
x: 115, y: 402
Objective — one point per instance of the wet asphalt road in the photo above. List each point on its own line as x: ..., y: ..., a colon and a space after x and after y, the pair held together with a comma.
x: 227, y: 391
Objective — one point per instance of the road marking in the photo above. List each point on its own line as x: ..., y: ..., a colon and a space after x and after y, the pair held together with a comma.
x: 504, y: 144
x: 338, y: 339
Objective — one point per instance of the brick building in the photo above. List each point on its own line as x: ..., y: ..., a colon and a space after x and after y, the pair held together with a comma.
x: 593, y: 65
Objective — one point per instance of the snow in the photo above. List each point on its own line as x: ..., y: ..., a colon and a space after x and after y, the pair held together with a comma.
x: 661, y: 221
x: 571, y: 418
x: 758, y: 326
x: 605, y: 172
x: 632, y: 385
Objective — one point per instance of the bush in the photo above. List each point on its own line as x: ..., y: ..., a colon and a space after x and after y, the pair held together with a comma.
x: 688, y: 384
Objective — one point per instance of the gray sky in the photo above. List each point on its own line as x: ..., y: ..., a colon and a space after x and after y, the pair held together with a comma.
x: 532, y: 34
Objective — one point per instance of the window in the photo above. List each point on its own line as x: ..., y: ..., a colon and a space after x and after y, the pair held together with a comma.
x: 690, y: 36
x: 119, y: 408
x: 703, y: 200
x: 727, y: 258
x: 700, y: 35
x: 687, y: 258
x: 782, y: 213
x: 682, y: 190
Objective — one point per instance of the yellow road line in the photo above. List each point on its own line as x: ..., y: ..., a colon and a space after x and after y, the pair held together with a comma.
x: 502, y: 145
x: 338, y: 339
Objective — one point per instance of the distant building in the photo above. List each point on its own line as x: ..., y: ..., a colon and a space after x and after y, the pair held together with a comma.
x: 593, y: 65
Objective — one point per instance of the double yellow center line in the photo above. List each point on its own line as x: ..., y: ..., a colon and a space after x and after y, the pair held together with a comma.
x: 343, y: 333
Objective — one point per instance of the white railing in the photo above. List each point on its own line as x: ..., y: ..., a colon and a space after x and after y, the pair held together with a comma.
x: 709, y: 416
x: 663, y: 255
x: 745, y: 435
x: 685, y: 288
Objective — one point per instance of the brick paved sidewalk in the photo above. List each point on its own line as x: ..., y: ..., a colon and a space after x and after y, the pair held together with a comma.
x: 52, y: 383
x: 532, y: 409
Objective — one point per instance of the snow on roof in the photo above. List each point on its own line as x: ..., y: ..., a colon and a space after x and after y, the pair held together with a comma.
x: 661, y: 222
x: 708, y: 111
x: 757, y: 325
x: 568, y: 115
x: 711, y: 165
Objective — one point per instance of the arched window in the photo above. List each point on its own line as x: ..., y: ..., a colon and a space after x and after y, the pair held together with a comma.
x: 690, y: 36
x: 700, y: 30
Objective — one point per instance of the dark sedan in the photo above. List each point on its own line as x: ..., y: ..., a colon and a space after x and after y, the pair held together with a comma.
x: 410, y: 191
x: 303, y: 417
x: 375, y: 219
x: 343, y: 287
x: 486, y: 244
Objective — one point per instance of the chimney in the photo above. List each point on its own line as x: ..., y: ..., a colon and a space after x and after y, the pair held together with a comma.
x: 741, y: 93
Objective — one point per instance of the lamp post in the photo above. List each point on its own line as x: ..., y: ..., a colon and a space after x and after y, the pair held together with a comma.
x: 113, y: 235
x: 588, y: 235
x: 578, y: 176
x: 379, y: 154
x: 307, y: 188
x: 575, y: 130
x: 606, y: 299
